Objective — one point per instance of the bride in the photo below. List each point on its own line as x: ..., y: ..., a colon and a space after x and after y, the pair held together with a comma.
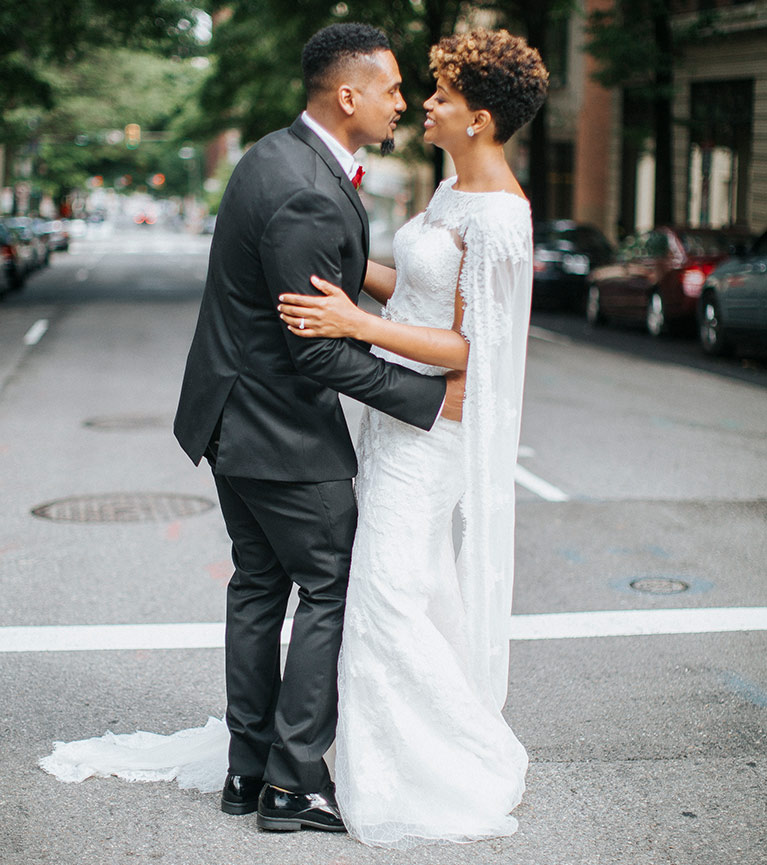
x: 423, y: 751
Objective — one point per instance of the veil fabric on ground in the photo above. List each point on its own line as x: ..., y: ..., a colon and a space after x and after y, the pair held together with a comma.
x: 195, y: 758
x: 423, y: 751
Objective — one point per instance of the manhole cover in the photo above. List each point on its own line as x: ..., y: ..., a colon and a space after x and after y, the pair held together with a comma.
x: 659, y: 585
x: 123, y: 508
x: 129, y: 422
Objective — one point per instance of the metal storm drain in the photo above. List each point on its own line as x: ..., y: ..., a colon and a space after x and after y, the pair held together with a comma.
x: 659, y: 585
x: 123, y: 508
x: 129, y: 422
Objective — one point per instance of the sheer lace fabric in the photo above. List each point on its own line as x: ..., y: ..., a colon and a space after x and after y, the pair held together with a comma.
x: 194, y: 758
x: 423, y: 752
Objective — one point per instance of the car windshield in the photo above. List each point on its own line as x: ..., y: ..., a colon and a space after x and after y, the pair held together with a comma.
x: 713, y: 242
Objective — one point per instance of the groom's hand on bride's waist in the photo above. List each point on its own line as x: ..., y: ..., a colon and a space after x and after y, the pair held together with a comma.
x: 452, y: 408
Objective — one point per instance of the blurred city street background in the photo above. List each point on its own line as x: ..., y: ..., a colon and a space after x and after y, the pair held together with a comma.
x: 639, y: 631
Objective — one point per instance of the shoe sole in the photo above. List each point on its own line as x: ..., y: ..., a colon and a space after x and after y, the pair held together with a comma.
x: 238, y: 808
x: 286, y: 824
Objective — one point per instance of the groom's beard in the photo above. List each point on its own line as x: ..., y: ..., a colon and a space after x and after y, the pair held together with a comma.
x: 387, y: 146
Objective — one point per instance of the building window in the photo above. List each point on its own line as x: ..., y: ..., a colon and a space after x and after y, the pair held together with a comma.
x: 721, y: 119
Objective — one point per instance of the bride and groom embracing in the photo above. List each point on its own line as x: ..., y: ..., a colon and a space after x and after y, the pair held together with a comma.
x: 414, y: 700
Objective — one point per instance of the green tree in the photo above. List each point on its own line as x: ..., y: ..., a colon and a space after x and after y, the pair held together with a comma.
x: 94, y: 99
x: 40, y: 40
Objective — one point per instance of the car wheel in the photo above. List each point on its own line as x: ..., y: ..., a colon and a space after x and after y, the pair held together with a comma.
x: 594, y: 314
x: 655, y: 318
x: 710, y: 330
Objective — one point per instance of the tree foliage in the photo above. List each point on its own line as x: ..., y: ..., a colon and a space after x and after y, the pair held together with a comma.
x: 74, y: 69
x: 94, y: 99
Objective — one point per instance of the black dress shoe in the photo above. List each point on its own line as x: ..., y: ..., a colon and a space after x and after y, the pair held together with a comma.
x: 279, y: 811
x: 240, y: 794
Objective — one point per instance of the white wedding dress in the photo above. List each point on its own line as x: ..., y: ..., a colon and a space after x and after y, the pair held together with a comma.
x: 423, y: 751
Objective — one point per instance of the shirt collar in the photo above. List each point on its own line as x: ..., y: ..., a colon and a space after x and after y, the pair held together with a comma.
x: 345, y: 159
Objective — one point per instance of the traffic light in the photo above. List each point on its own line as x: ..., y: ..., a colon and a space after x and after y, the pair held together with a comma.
x: 132, y: 136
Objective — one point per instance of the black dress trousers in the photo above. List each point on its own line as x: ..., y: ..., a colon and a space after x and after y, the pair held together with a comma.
x: 284, y: 533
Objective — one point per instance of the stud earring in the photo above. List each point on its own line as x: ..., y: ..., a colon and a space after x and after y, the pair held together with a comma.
x: 470, y: 131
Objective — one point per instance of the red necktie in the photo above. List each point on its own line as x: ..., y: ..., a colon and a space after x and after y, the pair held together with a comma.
x: 357, y: 179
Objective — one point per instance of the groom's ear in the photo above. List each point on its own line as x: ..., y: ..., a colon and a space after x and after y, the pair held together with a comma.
x: 345, y: 96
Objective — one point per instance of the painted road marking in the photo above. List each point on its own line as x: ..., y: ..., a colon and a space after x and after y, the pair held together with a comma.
x: 36, y: 332
x: 539, y: 486
x: 538, y: 626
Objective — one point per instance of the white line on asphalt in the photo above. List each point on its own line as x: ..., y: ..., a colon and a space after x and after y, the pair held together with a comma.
x: 548, y: 336
x: 36, y: 332
x: 539, y: 486
x: 635, y: 623
x: 538, y: 626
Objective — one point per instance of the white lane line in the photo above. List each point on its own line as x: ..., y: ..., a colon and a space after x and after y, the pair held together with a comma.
x: 548, y: 336
x: 538, y: 626
x: 539, y: 486
x: 634, y: 623
x: 36, y: 332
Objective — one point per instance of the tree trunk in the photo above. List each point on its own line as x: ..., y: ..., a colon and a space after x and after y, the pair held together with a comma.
x: 539, y: 166
x: 664, y: 79
x: 536, y: 20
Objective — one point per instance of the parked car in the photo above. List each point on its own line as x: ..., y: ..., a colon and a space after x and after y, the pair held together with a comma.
x: 12, y: 273
x: 564, y: 254
x: 732, y: 312
x: 39, y: 252
x: 25, y: 250
x: 58, y: 236
x: 658, y: 276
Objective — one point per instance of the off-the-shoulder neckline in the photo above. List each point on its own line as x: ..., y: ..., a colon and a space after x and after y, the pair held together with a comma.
x: 449, y: 183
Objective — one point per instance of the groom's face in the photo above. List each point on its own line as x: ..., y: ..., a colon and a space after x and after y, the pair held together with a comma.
x: 378, y: 102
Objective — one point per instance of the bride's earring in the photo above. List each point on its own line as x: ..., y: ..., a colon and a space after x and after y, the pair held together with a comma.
x: 470, y: 131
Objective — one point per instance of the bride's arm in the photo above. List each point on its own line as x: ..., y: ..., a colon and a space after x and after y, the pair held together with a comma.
x: 379, y: 281
x: 334, y: 315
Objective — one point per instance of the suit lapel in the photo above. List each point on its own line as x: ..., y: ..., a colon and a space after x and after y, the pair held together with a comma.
x: 302, y: 131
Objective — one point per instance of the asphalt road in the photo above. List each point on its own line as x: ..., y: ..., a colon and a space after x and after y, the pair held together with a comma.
x: 646, y: 729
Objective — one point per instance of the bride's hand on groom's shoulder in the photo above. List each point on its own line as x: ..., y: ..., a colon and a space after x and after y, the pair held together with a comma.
x: 331, y: 314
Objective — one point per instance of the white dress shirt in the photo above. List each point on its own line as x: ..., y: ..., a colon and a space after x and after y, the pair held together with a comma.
x: 345, y: 159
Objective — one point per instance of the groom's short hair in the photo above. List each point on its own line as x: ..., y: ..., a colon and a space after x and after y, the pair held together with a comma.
x: 333, y: 47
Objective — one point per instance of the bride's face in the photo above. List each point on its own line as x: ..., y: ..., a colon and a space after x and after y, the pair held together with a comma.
x: 447, y: 116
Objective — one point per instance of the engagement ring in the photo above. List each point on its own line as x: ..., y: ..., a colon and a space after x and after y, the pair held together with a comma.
x: 302, y: 324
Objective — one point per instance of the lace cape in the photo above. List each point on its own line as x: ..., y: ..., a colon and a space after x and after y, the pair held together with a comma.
x: 496, y: 285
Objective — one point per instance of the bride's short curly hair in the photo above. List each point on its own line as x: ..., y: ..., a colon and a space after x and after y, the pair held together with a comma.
x: 496, y: 71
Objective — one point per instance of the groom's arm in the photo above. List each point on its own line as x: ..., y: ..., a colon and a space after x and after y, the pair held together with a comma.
x: 305, y: 237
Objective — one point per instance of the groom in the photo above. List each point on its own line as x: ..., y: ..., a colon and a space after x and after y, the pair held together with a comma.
x: 262, y: 406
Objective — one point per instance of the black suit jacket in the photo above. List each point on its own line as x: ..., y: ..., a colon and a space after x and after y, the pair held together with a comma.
x: 289, y: 211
